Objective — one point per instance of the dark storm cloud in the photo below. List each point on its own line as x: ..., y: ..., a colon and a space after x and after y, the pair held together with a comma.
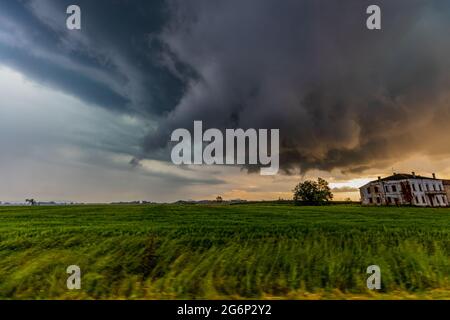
x: 112, y: 62
x: 342, y: 96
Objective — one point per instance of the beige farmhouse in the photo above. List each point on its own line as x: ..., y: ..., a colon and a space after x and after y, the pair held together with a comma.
x: 406, y: 189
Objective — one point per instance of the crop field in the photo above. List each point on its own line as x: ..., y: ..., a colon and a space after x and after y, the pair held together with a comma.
x: 263, y: 251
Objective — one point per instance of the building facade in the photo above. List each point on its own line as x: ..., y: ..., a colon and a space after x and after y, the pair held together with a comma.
x: 406, y: 189
x: 447, y: 188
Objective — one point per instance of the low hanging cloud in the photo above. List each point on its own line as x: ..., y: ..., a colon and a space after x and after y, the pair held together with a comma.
x: 344, y: 189
x: 342, y: 96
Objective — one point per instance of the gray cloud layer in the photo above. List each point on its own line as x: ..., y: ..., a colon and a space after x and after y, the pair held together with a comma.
x: 111, y: 63
x: 342, y: 96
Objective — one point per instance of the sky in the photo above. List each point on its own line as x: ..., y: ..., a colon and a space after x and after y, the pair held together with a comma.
x: 86, y: 115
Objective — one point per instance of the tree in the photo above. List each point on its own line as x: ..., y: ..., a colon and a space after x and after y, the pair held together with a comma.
x: 219, y: 199
x: 312, y: 192
x: 31, y: 201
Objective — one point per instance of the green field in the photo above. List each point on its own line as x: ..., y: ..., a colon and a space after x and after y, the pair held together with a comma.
x: 225, y: 251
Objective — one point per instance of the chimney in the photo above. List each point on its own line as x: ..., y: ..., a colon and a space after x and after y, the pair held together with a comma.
x: 413, y: 174
x: 395, y: 173
x: 434, y: 175
x: 379, y: 178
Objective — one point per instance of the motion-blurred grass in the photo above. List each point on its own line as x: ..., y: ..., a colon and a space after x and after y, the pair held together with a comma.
x: 223, y: 251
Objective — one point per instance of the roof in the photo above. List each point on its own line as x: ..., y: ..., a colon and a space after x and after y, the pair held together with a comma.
x: 404, y: 176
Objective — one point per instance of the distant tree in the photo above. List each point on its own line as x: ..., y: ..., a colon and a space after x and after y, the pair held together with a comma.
x: 31, y: 202
x: 312, y: 192
x: 219, y: 199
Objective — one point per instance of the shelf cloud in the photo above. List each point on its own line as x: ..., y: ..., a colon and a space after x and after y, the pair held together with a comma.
x: 344, y: 97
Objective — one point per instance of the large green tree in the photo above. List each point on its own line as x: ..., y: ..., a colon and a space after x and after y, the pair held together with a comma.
x: 312, y: 192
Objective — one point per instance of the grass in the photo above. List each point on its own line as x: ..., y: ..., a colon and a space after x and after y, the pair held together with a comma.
x: 208, y: 252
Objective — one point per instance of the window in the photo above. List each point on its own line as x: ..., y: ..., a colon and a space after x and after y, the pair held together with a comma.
x: 420, y: 187
x: 417, y: 199
x: 378, y: 200
x: 434, y: 187
x: 427, y: 188
x: 370, y: 200
x: 386, y: 188
x: 423, y: 199
x: 394, y: 189
x: 368, y: 190
x: 376, y: 190
x: 414, y: 187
